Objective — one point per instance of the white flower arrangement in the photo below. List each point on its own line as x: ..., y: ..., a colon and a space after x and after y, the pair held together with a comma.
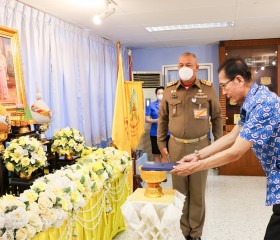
x: 88, y: 150
x: 53, y: 197
x: 68, y: 141
x: 24, y: 154
x: 107, y: 163
x: 15, y: 218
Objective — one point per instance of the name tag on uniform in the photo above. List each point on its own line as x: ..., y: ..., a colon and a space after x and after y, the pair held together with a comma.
x: 200, y: 113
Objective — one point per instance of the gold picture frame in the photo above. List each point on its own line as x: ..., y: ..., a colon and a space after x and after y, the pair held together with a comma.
x: 12, y: 89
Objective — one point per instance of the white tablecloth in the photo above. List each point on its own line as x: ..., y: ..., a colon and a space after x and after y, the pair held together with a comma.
x: 154, y: 218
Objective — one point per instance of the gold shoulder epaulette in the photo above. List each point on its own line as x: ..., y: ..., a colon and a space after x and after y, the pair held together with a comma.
x: 205, y: 82
x: 171, y: 83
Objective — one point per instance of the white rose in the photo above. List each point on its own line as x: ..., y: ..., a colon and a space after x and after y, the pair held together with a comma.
x: 2, y: 221
x: 8, y: 235
x: 31, y: 231
x: 21, y: 234
x: 35, y: 221
x: 17, y: 218
x: 44, y: 201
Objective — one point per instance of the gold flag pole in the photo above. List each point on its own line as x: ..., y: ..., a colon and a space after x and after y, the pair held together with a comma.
x: 120, y: 129
x: 136, y: 178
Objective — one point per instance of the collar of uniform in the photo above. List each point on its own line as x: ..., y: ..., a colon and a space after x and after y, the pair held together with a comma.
x: 178, y: 84
x: 196, y: 82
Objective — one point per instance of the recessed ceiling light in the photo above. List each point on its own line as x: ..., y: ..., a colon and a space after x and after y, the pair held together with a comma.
x: 191, y: 26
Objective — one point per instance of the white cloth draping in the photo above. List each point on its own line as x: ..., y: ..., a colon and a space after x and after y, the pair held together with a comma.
x: 154, y: 218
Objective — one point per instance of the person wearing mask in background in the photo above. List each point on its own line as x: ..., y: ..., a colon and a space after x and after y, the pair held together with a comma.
x: 187, y: 106
x: 152, y: 117
x: 258, y: 128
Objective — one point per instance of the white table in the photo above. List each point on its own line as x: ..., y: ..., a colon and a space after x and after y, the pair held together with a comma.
x: 154, y: 218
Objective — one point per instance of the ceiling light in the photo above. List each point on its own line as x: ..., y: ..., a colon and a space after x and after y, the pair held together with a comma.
x: 273, y: 63
x: 191, y: 26
x: 97, y: 19
x: 262, y: 68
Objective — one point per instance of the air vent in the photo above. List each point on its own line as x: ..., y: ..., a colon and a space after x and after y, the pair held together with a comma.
x: 149, y: 79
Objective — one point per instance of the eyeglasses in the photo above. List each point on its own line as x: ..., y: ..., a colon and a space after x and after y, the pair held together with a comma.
x: 223, y: 85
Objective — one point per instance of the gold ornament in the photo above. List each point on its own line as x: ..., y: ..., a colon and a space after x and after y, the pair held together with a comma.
x: 153, y: 180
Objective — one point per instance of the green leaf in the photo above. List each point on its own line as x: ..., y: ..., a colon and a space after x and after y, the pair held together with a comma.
x: 93, y: 187
x: 83, y: 179
x: 10, y: 209
x: 67, y: 190
x: 100, y: 171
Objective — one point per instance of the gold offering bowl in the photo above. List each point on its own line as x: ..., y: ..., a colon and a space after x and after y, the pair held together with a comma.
x: 24, y: 129
x: 153, y: 180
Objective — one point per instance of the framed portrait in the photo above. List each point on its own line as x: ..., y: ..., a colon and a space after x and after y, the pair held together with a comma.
x: 12, y: 89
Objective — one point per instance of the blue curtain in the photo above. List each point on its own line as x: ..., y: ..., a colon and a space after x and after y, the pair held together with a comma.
x: 75, y: 70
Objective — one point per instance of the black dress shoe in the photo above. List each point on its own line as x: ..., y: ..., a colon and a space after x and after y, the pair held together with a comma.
x: 188, y: 238
x: 196, y: 238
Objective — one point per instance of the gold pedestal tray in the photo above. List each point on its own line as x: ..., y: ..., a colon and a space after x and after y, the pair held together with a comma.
x: 24, y: 176
x: 24, y: 129
x: 69, y: 156
x: 153, y: 180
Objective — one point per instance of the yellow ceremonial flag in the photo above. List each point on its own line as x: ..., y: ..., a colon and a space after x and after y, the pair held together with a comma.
x: 120, y: 131
x: 135, y: 101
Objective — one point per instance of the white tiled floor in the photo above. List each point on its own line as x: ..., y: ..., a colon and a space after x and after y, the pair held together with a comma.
x: 235, y: 208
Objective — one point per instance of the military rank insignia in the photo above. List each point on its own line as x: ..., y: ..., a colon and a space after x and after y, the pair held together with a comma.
x: 174, y: 94
x: 205, y: 82
x: 200, y: 94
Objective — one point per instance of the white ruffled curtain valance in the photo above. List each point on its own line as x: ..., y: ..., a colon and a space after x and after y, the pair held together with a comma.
x: 75, y: 70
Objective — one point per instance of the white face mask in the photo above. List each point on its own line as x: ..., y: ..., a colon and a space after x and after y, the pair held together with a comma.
x: 159, y: 97
x: 185, y: 73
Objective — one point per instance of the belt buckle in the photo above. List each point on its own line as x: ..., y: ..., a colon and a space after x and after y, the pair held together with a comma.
x: 185, y: 141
